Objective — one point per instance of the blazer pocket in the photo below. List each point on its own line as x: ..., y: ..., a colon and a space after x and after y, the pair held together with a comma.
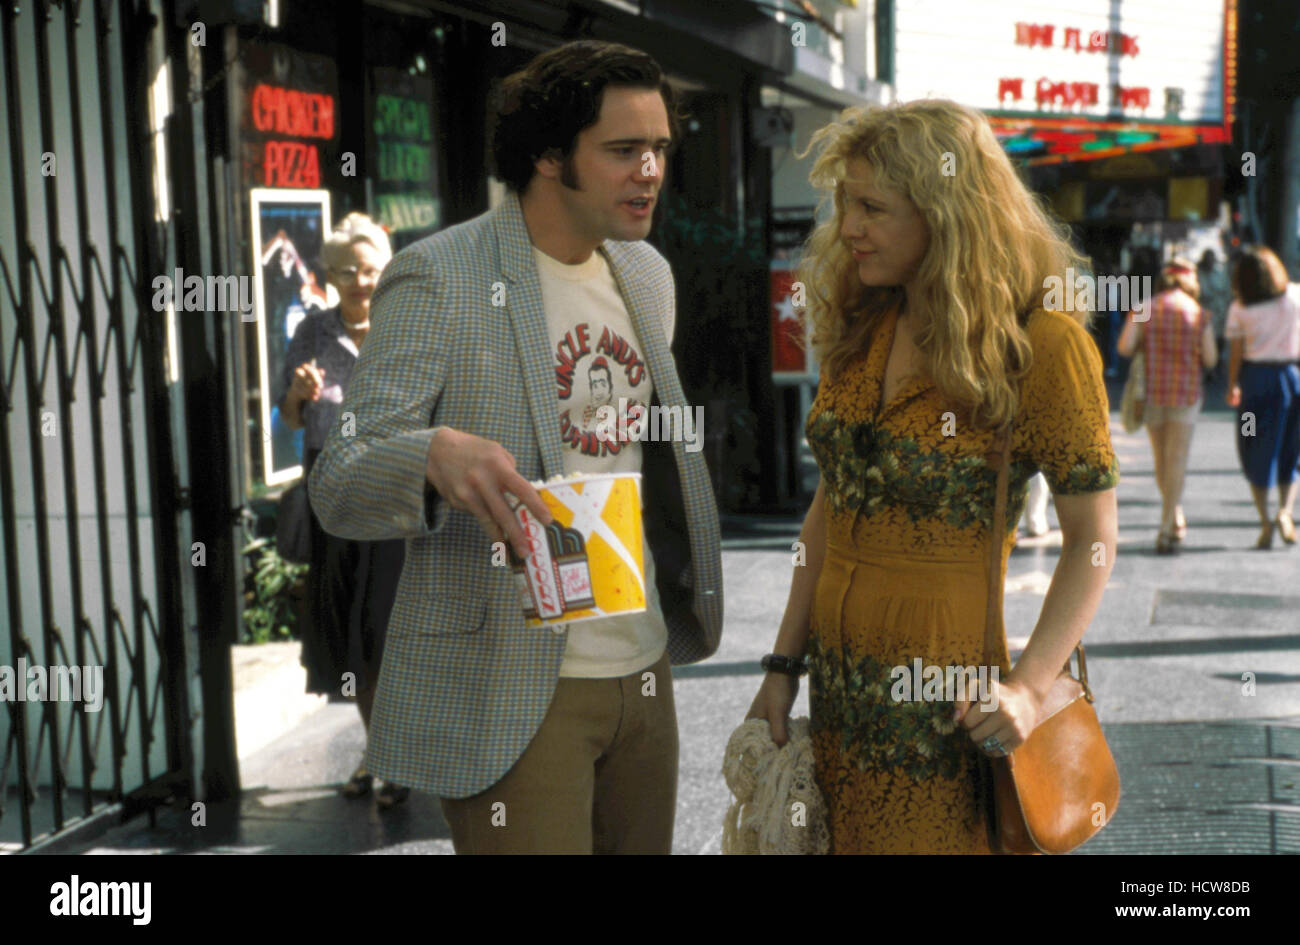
x: 442, y: 615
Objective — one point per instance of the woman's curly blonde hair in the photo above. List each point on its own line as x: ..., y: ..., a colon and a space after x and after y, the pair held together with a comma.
x: 992, y: 246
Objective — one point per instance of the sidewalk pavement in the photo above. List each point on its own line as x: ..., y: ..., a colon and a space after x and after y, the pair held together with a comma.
x: 1206, y: 767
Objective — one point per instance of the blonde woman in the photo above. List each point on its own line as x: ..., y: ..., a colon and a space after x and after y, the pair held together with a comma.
x: 351, y: 584
x: 926, y: 291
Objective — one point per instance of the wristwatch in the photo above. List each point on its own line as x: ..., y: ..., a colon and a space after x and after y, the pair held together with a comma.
x: 789, y: 665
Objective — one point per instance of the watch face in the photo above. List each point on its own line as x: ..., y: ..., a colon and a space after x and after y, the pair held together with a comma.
x: 789, y: 665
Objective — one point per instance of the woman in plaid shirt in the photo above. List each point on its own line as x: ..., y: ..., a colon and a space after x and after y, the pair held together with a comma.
x: 1178, y: 339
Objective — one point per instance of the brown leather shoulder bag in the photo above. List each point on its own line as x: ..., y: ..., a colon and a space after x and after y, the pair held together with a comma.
x: 1061, y: 786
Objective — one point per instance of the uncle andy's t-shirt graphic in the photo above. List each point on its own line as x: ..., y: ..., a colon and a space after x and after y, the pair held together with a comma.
x: 603, y: 386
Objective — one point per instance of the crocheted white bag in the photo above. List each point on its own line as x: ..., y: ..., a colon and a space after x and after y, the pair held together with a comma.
x: 778, y: 808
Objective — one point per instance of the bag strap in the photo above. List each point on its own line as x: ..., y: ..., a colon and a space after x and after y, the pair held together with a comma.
x: 1001, y: 454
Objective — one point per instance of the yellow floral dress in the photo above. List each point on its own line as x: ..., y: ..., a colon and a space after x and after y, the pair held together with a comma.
x: 909, y: 499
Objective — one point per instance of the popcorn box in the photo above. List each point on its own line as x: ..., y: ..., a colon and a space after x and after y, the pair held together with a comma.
x: 587, y: 563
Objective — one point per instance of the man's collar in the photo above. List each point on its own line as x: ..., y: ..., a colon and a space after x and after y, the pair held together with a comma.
x: 516, y: 247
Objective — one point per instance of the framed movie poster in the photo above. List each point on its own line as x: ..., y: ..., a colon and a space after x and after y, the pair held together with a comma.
x: 289, y: 228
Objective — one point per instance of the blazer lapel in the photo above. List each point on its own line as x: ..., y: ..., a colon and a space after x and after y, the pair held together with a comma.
x: 528, y: 319
x: 681, y: 518
x: 649, y: 325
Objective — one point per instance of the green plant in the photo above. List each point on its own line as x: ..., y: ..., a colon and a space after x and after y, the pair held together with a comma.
x: 272, y: 591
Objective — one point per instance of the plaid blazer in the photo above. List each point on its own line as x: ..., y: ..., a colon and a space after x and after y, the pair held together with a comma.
x: 465, y: 684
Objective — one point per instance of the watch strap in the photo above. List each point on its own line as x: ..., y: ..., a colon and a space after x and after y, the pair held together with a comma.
x: 788, y: 665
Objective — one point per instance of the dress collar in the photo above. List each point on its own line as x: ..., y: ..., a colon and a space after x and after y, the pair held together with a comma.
x: 882, y: 343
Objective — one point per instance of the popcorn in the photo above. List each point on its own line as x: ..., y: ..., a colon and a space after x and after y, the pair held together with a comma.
x: 588, y: 563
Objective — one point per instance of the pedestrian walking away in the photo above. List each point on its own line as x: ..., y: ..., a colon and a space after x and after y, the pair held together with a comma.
x: 1176, y: 337
x: 492, y: 341
x: 1264, y: 385
x: 1216, y: 296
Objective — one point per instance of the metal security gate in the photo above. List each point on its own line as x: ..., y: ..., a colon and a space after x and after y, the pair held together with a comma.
x: 90, y: 549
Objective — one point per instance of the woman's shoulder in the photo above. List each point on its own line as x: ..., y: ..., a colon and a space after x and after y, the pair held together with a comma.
x: 1063, y: 352
x: 1064, y: 390
x: 318, y: 322
x: 1050, y: 330
x: 1169, y: 301
x: 1289, y: 298
x: 322, y: 317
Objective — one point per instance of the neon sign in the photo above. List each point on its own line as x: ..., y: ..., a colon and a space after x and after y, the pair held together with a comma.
x: 290, y: 113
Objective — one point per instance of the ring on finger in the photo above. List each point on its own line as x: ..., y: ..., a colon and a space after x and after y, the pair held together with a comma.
x: 994, y: 747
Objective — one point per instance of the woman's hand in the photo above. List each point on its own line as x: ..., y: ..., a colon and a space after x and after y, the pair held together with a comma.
x: 308, y: 382
x: 774, y: 701
x: 1010, y: 723
x: 1234, y: 396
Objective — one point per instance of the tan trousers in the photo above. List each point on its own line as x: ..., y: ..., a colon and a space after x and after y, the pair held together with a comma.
x: 600, y: 775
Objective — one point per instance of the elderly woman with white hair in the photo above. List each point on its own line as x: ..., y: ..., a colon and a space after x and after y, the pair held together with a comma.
x: 352, y: 584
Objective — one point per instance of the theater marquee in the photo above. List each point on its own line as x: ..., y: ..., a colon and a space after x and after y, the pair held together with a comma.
x: 1076, y: 81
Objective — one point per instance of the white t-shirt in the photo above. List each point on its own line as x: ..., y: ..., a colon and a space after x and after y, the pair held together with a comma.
x: 1271, y: 329
x: 600, y: 378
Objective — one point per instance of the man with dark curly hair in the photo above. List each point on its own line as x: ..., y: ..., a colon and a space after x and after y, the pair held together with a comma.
x: 559, y: 738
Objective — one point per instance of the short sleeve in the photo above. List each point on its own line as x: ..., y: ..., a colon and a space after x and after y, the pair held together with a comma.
x: 1063, y: 425
x: 1236, y: 328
